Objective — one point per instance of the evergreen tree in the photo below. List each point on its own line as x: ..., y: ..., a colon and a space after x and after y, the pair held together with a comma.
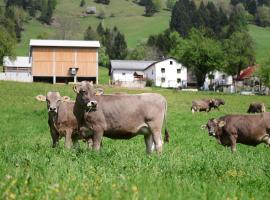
x: 82, y: 4
x: 120, y: 46
x: 251, y: 6
x: 90, y: 34
x: 180, y: 19
x: 100, y: 29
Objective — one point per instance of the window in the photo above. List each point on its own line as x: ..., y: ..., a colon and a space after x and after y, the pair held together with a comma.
x: 179, y: 80
x: 163, y: 80
x: 123, y: 74
x: 171, y: 62
x: 162, y: 70
x: 178, y: 71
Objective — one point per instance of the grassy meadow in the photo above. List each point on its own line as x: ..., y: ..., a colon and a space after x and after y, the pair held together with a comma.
x: 193, y: 165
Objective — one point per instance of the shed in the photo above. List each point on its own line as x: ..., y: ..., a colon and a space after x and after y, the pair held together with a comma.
x: 57, y: 60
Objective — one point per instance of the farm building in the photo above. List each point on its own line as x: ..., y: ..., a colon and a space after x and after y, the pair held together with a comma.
x: 64, y: 60
x: 17, y: 69
x: 167, y: 73
x: 218, y: 78
x: 164, y: 73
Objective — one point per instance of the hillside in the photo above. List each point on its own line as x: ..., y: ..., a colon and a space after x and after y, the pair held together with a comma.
x: 127, y: 16
x: 124, y: 14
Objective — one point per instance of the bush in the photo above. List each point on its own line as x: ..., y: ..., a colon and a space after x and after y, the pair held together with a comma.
x: 149, y: 82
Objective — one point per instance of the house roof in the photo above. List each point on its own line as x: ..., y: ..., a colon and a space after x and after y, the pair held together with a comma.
x: 130, y: 64
x: 64, y: 43
x: 17, y: 62
x: 246, y: 73
x: 160, y: 61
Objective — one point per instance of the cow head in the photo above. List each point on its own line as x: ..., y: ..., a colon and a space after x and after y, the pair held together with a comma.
x: 214, y: 126
x: 53, y: 99
x: 86, y: 95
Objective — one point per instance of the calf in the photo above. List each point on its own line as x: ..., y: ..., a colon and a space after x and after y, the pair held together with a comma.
x: 246, y: 129
x: 61, y: 119
x: 121, y: 116
x: 256, y: 108
x: 202, y: 105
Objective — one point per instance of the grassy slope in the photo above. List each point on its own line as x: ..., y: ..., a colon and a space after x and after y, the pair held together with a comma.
x: 193, y: 165
x: 262, y: 40
x: 128, y: 17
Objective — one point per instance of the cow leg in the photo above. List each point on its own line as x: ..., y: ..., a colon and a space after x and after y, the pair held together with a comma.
x: 68, y: 140
x: 266, y: 140
x: 90, y: 142
x: 55, y: 138
x: 233, y: 143
x: 97, y: 138
x: 150, y: 146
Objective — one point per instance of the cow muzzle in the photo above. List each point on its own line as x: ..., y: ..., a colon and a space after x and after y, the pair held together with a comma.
x: 52, y: 109
x: 91, y: 106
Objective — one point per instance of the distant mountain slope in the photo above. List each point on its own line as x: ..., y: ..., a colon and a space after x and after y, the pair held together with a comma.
x: 124, y: 14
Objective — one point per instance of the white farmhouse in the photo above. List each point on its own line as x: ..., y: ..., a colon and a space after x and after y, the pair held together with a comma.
x: 167, y: 73
x: 128, y: 70
x: 17, y: 69
x: 219, y: 78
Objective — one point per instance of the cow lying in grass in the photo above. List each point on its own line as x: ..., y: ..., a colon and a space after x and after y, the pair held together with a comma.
x: 256, y: 108
x: 121, y: 116
x: 206, y: 105
x: 61, y: 119
x: 246, y: 129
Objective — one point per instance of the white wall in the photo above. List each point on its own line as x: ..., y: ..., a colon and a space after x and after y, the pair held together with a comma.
x: 13, y: 76
x: 170, y: 74
x: 218, y: 78
x: 123, y: 75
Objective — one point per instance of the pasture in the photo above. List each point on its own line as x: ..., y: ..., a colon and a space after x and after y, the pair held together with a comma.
x: 193, y: 165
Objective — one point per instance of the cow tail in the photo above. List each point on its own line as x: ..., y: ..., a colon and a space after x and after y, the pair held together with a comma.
x: 167, y: 135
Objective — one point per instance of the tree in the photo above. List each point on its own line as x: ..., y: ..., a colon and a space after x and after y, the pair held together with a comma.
x: 68, y: 28
x: 100, y: 29
x: 239, y: 52
x: 120, y: 47
x: 263, y: 16
x: 170, y: 4
x: 181, y: 19
x: 82, y: 4
x: 103, y: 58
x: 264, y: 72
x: 7, y: 43
x: 198, y: 53
x: 90, y: 34
x: 47, y: 8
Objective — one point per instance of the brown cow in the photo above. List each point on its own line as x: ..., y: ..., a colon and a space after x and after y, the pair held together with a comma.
x: 256, y: 108
x: 217, y: 103
x: 61, y: 119
x: 245, y: 129
x: 121, y: 116
x: 202, y: 105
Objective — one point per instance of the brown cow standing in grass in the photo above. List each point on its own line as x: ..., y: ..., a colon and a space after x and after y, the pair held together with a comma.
x: 61, y: 119
x: 121, y: 116
x: 245, y: 129
x: 202, y: 105
x: 256, y: 108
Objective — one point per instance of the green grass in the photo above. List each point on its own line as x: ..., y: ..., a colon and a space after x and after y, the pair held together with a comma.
x: 103, y: 77
x: 261, y: 37
x: 193, y: 165
x: 126, y: 15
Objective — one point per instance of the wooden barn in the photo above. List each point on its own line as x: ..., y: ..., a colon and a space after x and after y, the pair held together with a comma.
x: 64, y: 60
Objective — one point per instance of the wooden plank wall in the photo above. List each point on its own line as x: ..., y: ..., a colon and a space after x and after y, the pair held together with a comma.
x: 45, y: 58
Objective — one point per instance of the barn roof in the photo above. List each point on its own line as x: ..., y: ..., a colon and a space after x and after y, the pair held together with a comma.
x: 17, y: 62
x: 64, y: 43
x: 246, y: 73
x: 130, y: 64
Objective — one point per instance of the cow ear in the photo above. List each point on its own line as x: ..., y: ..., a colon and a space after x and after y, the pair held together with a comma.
x: 203, y: 126
x: 99, y: 91
x: 65, y: 98
x: 91, y: 83
x: 76, y: 88
x: 221, y: 124
x: 40, y: 97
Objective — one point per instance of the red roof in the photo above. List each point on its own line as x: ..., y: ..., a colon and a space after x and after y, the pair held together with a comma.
x: 246, y: 73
